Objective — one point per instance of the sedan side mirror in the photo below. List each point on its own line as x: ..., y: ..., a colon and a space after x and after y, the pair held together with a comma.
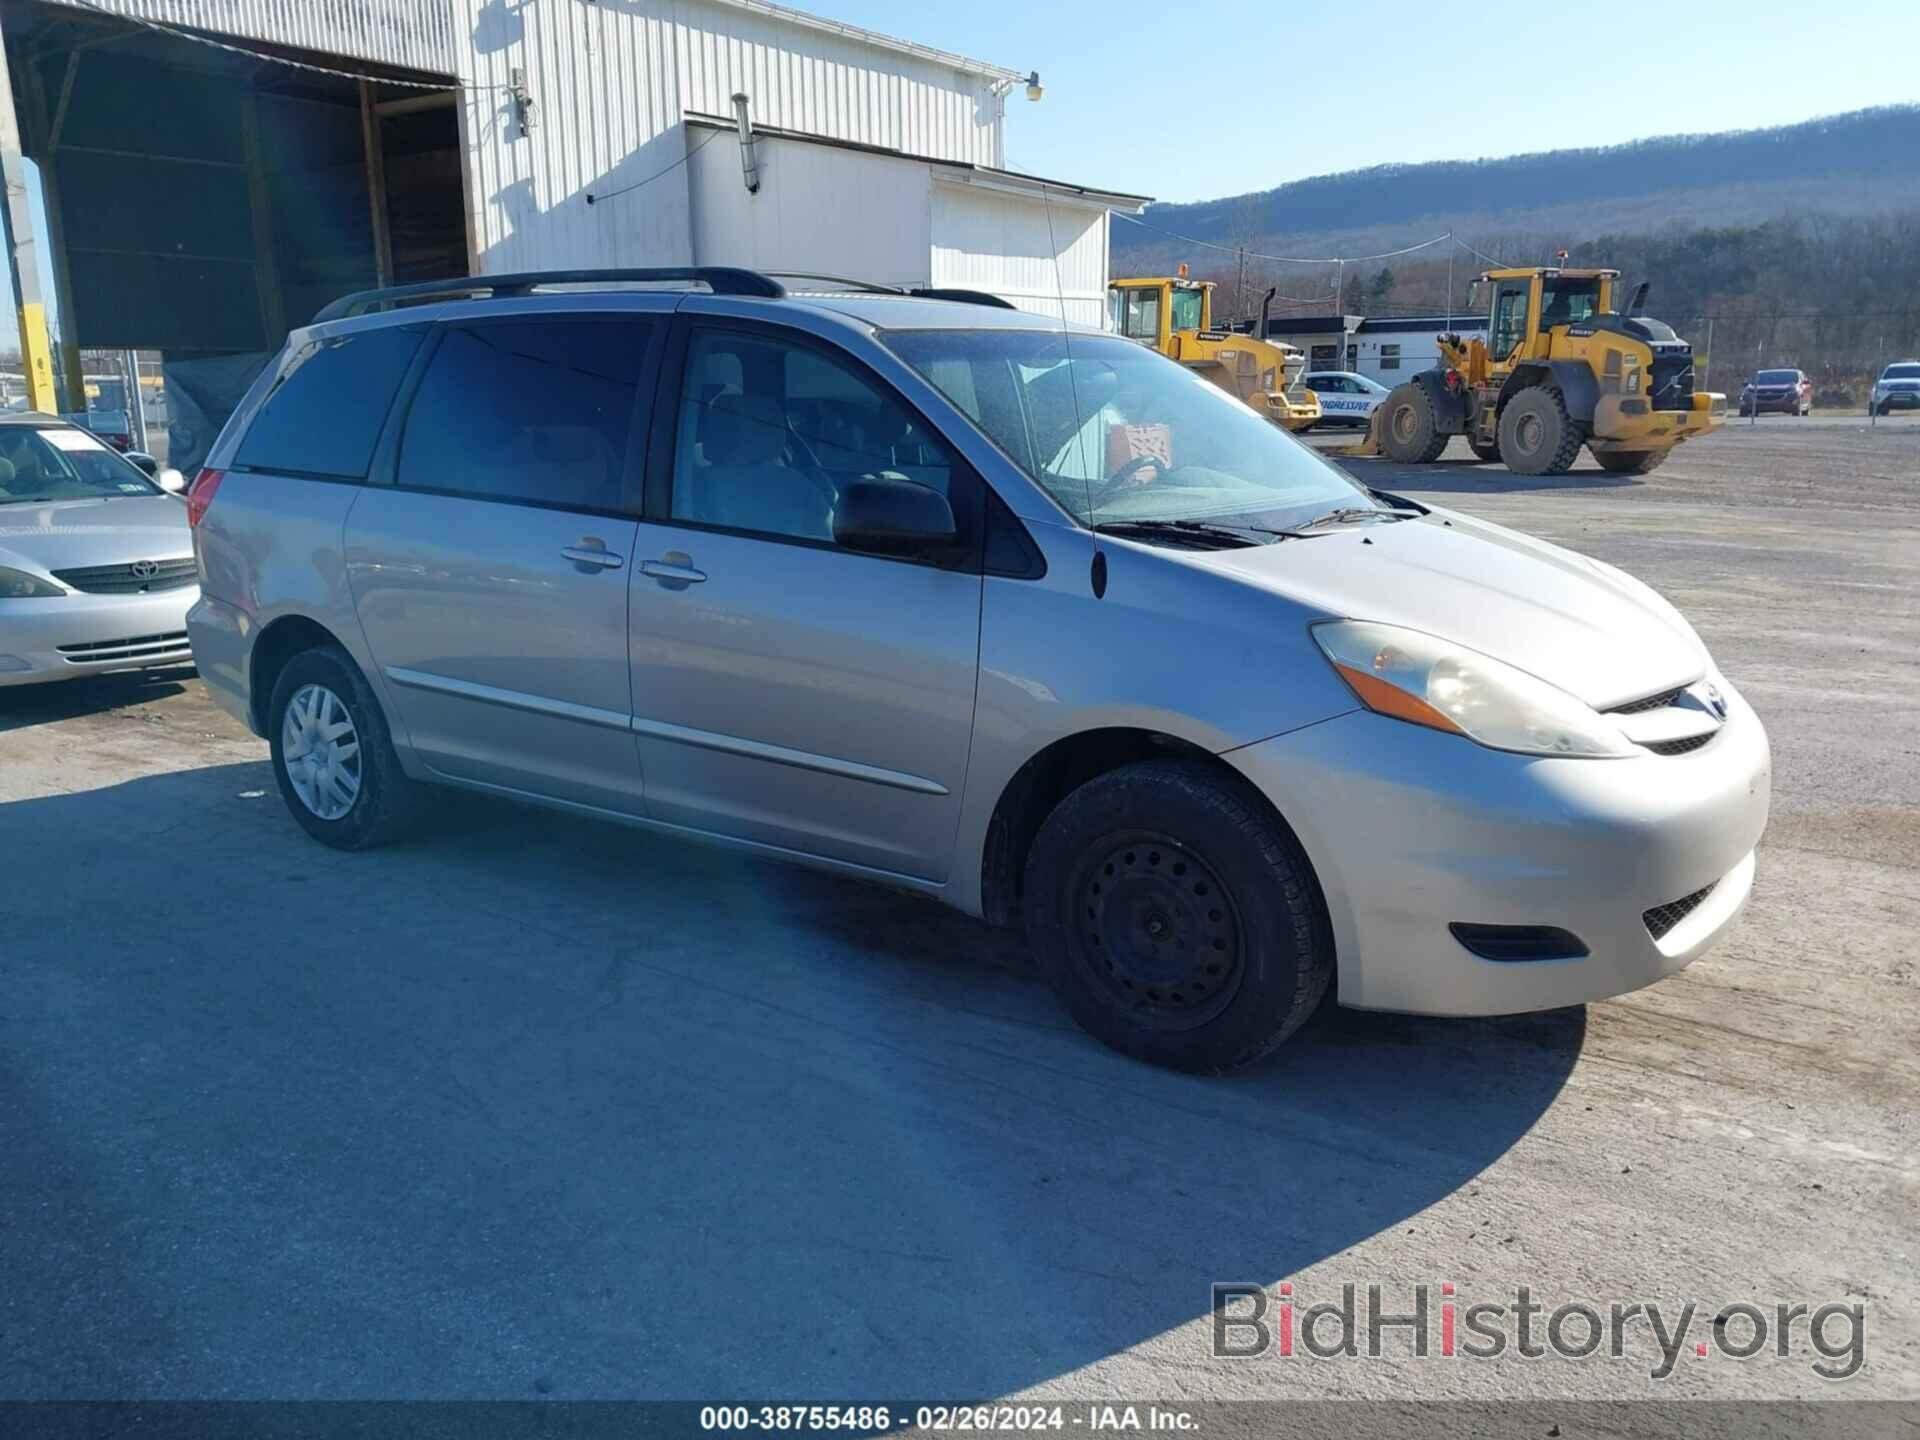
x: 888, y: 515
x: 171, y: 481
x: 142, y: 462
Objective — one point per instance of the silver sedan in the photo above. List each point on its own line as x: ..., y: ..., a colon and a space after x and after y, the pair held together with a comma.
x: 96, y: 560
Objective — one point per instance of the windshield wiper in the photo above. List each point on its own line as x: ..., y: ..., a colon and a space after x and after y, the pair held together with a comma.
x: 1198, y: 530
x: 1352, y: 514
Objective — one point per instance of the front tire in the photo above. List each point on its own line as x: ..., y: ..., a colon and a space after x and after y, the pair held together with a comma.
x: 333, y: 755
x: 1409, y: 430
x: 1537, y: 436
x: 1177, y: 917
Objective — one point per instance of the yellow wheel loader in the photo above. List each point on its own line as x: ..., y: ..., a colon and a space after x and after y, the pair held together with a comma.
x: 1559, y: 369
x: 1174, y: 315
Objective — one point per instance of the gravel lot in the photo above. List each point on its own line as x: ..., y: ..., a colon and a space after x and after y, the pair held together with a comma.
x: 534, y: 1107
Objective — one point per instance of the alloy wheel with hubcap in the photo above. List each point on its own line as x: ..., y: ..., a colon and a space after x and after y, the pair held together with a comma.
x: 321, y: 751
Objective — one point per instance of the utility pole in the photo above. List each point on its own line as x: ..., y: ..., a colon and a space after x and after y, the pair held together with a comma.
x: 36, y: 355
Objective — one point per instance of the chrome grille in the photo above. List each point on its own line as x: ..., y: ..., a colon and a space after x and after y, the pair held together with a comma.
x: 1663, y: 918
x: 133, y: 647
x: 138, y: 578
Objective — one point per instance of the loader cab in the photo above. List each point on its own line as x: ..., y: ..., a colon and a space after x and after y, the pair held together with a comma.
x: 1529, y: 303
x: 1154, y: 310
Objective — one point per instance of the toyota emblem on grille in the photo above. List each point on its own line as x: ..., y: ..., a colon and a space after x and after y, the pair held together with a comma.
x: 144, y: 569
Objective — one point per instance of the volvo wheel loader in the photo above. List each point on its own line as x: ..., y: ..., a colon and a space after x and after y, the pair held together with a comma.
x: 1174, y: 315
x: 1559, y: 369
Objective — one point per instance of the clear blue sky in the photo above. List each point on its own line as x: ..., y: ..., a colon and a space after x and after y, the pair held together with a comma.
x: 1206, y: 98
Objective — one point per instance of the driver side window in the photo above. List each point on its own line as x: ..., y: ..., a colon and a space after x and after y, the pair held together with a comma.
x: 771, y: 432
x: 1509, y: 318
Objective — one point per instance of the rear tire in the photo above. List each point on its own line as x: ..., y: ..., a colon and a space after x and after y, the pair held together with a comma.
x: 1487, y: 454
x: 1409, y: 430
x: 1537, y: 436
x: 333, y: 755
x: 1177, y: 917
x: 1631, y: 462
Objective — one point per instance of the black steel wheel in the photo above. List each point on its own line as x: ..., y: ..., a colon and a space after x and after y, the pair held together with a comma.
x: 1157, y: 933
x: 1177, y: 916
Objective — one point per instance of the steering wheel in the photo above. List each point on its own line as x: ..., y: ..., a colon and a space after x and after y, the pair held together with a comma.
x: 1124, y: 475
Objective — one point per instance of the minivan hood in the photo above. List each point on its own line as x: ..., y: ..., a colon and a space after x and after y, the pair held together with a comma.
x: 66, y: 534
x: 1586, y: 627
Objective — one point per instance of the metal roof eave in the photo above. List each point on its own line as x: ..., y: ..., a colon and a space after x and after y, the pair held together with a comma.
x: 985, y: 177
x: 786, y: 14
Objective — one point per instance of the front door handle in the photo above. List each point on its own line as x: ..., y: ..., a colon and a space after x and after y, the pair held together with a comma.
x: 675, y: 570
x: 592, y: 554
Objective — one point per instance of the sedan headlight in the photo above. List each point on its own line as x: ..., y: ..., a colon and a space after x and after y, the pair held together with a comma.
x: 19, y: 585
x: 1420, y: 678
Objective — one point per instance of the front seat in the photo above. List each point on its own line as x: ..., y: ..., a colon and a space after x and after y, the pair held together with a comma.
x: 745, y: 483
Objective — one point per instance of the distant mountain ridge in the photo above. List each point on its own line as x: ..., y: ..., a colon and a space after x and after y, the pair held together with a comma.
x: 1863, y: 162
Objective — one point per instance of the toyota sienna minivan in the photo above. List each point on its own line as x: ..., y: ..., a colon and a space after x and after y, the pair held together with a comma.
x: 920, y: 588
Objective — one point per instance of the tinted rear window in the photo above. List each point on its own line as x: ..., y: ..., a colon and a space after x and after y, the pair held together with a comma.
x: 536, y: 410
x: 324, y: 412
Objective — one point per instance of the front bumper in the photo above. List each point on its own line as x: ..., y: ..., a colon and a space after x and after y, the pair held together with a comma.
x: 1411, y: 830
x: 73, y: 635
x: 1899, y: 399
x: 1629, y: 422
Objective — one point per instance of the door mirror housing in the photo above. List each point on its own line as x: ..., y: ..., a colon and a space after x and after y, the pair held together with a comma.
x: 171, y: 481
x: 889, y: 515
x: 143, y: 462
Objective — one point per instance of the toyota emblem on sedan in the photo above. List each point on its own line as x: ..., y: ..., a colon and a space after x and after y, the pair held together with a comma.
x: 144, y: 569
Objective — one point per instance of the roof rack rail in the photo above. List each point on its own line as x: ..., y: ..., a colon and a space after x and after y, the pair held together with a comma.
x: 964, y: 297
x: 923, y: 292
x: 721, y: 279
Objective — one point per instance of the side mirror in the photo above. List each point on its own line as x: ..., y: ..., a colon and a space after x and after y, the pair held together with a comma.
x: 171, y: 481
x: 887, y: 515
x: 142, y: 462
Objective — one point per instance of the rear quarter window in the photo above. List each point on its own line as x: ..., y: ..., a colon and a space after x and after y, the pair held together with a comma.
x: 323, y: 413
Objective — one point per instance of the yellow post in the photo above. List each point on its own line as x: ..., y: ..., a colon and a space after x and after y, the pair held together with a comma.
x: 36, y: 354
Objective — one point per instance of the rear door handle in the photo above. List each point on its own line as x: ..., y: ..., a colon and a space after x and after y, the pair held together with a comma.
x: 676, y: 569
x: 593, y: 554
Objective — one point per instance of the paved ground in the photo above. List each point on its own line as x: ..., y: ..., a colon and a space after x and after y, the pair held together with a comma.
x: 536, y: 1107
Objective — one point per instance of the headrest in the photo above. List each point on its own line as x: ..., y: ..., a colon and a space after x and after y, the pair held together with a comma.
x: 743, y: 430
x: 6, y: 470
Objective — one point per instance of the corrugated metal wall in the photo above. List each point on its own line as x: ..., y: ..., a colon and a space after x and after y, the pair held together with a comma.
x: 800, y: 218
x: 418, y: 34
x: 1003, y: 243
x: 611, y: 84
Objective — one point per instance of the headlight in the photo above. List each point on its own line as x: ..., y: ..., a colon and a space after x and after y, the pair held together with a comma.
x: 1420, y: 678
x: 19, y: 585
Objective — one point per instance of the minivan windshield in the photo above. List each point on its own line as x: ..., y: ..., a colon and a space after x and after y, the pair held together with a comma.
x: 1120, y: 433
x: 59, y: 462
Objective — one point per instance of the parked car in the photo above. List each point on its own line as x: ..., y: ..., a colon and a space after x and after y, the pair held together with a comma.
x: 1346, y: 398
x: 1778, y: 392
x: 96, y: 559
x: 1898, y: 387
x: 1033, y: 621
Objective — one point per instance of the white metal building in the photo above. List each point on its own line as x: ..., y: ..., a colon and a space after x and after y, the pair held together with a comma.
x: 214, y: 171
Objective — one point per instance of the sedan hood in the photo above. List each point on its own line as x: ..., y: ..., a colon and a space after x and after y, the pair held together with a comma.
x: 68, y: 534
x: 1590, y: 629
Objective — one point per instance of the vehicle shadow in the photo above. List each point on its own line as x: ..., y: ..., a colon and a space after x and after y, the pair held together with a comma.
x: 531, y: 1106
x: 23, y: 706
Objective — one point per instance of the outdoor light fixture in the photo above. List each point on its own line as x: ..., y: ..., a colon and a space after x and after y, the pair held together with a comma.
x: 1034, y: 88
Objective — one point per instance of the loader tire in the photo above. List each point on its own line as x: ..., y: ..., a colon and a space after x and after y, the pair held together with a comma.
x: 1537, y: 436
x: 1409, y: 430
x: 1631, y: 462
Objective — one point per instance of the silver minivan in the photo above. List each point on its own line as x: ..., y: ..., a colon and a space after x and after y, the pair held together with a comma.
x: 1027, y: 618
